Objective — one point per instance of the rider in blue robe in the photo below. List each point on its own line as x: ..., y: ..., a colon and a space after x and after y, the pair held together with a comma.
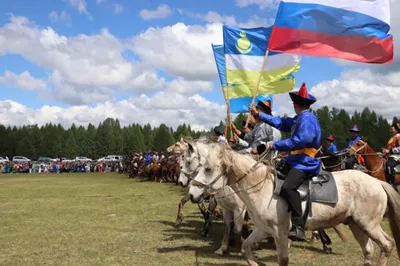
x: 331, y: 147
x: 351, y: 161
x: 303, y: 145
x: 147, y: 161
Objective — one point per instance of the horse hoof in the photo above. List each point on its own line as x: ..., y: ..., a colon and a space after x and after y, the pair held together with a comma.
x: 327, y: 250
x: 203, y: 234
x: 219, y: 252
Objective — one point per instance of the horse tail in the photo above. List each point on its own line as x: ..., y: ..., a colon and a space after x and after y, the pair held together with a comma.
x: 341, y: 233
x: 394, y: 213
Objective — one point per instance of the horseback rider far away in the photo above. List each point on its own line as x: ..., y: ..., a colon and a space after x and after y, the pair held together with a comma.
x: 352, y: 160
x: 392, y: 152
x: 303, y: 145
x: 148, y: 158
x: 219, y: 131
x: 332, y: 150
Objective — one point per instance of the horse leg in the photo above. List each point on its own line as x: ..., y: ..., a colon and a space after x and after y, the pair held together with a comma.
x: 325, y: 241
x: 314, y: 236
x: 282, y: 247
x: 208, y: 217
x: 238, y: 220
x: 179, y: 217
x: 365, y: 242
x: 228, y: 216
x: 256, y: 236
x: 384, y: 242
x: 202, y: 209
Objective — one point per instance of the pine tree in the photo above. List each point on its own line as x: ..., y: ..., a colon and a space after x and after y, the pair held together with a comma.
x: 163, y: 138
x: 69, y: 144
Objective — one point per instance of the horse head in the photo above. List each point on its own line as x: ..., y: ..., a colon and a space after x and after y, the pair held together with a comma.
x: 190, y: 163
x: 360, y: 147
x: 209, y: 173
x: 180, y: 146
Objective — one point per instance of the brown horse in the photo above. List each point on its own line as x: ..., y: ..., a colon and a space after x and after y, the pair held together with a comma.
x: 331, y: 162
x: 373, y: 162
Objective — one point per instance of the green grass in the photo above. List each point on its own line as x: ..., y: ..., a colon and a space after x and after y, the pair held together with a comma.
x: 108, y: 219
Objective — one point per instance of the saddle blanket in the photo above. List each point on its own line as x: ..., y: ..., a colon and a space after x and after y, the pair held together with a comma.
x: 322, y: 188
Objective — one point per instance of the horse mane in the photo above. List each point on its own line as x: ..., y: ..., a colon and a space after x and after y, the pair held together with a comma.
x: 239, y: 166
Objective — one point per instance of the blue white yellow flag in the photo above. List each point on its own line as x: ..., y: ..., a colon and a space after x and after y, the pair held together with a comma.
x: 238, y: 104
x: 244, y: 55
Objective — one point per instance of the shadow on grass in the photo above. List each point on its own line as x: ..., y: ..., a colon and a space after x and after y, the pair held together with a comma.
x: 311, y: 247
x: 191, y: 230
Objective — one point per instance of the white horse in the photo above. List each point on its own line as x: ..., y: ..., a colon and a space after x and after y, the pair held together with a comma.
x: 362, y: 202
x: 233, y: 208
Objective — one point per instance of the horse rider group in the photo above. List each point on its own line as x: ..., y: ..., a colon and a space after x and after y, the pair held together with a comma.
x: 263, y: 132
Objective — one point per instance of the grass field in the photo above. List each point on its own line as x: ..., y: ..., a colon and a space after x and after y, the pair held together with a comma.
x: 108, y: 219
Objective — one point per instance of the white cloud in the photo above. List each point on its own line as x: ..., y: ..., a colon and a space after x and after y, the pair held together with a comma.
x: 357, y: 89
x: 81, y: 6
x: 162, y: 11
x: 23, y: 81
x: 180, y: 50
x: 169, y: 108
x: 256, y: 21
x: 262, y: 4
x: 92, y: 64
x: 214, y: 17
x: 118, y: 8
x: 62, y: 17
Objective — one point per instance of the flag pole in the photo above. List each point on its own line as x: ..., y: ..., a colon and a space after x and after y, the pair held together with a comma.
x: 228, y: 112
x: 255, y: 92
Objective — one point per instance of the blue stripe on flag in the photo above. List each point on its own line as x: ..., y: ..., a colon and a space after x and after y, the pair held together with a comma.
x: 252, y: 42
x: 241, y: 105
x: 220, y: 61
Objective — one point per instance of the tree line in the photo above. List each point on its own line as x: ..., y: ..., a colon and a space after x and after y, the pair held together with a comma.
x: 53, y: 140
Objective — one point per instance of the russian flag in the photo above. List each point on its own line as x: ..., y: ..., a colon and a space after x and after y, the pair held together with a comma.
x: 355, y: 30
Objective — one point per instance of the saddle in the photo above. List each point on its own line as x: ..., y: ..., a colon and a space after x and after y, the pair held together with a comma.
x: 320, y: 188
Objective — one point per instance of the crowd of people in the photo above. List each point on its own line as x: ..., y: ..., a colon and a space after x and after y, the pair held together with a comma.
x: 37, y: 167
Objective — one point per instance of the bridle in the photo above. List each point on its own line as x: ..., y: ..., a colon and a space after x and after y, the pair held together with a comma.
x: 190, y: 175
x: 208, y: 186
x: 365, y: 144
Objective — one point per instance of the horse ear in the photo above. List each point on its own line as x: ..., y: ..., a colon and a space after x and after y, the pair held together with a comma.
x: 190, y: 146
x: 365, y: 139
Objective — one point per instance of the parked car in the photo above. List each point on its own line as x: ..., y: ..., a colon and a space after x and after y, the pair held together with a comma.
x: 4, y: 160
x: 82, y: 159
x: 20, y: 159
x: 66, y: 160
x: 110, y: 158
x: 46, y: 159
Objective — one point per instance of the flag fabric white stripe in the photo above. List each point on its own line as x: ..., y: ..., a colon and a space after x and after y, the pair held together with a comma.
x: 254, y: 63
x: 379, y: 9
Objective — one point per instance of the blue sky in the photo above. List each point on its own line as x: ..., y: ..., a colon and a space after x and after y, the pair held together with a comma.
x: 128, y: 29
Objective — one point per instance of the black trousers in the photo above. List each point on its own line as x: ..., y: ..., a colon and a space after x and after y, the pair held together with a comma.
x: 391, y: 176
x: 289, y: 192
x: 350, y: 162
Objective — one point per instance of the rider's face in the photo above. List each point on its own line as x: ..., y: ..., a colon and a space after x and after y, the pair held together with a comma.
x: 393, y: 131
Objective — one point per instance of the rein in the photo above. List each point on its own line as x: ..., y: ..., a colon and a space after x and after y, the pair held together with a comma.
x: 365, y: 145
x: 208, y: 186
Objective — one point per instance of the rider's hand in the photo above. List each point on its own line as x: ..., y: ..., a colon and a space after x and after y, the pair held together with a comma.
x: 253, y: 110
x: 385, y: 151
x: 270, y: 145
x: 235, y: 138
x: 246, y: 130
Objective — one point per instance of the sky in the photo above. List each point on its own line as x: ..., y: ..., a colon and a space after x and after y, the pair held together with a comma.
x: 150, y: 61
